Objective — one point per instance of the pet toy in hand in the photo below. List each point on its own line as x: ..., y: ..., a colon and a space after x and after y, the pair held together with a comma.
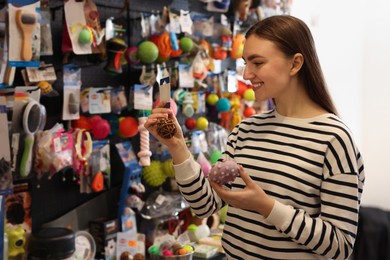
x: 166, y: 128
x: 223, y: 172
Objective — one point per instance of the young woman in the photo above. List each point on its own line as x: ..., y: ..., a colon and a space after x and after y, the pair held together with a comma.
x: 301, y: 174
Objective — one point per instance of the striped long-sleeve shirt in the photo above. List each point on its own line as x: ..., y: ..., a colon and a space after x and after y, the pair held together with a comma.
x: 313, y: 170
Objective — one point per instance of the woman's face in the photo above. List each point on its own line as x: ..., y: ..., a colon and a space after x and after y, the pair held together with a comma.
x: 266, y: 67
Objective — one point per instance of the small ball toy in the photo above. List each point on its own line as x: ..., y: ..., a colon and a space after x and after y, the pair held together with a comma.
x: 128, y: 127
x: 154, y: 250
x: 166, y: 128
x: 186, y: 44
x: 188, y: 248
x: 85, y: 36
x: 223, y: 172
x: 165, y: 248
x: 168, y: 169
x: 45, y: 87
x: 190, y: 123
x: 153, y: 174
x: 147, y: 52
x: 82, y: 123
x: 181, y: 251
x: 202, y: 123
x: 249, y: 95
x: 249, y: 111
x: 214, y: 156
x: 167, y: 253
x: 205, y: 166
x: 223, y: 105
x: 100, y: 128
x: 212, y: 99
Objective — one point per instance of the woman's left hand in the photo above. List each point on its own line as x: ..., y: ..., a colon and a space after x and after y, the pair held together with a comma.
x: 252, y: 197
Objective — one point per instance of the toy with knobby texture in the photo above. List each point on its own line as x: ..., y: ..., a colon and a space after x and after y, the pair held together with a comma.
x: 153, y: 174
x: 223, y: 172
x: 166, y: 128
x: 144, y: 153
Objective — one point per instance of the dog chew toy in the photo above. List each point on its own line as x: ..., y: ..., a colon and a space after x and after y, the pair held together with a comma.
x: 147, y: 52
x: 115, y: 49
x: 16, y: 241
x: 128, y: 127
x: 26, y: 22
x: 223, y: 172
x: 153, y: 174
x: 144, y: 153
x: 168, y: 169
x: 166, y: 128
x: 100, y: 128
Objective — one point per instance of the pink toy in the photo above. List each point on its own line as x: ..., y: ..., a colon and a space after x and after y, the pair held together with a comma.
x: 172, y: 104
x: 167, y: 253
x: 223, y: 172
x: 204, y: 164
x: 144, y: 153
x: 100, y: 128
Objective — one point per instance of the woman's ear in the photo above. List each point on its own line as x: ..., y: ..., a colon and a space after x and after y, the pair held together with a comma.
x: 297, y: 63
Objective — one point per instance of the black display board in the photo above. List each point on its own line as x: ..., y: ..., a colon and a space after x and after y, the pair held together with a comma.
x: 59, y: 195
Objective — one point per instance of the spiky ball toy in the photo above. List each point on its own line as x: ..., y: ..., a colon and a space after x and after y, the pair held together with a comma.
x: 223, y: 172
x: 153, y: 174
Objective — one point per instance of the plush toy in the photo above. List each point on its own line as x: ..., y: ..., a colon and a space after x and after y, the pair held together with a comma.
x: 223, y: 172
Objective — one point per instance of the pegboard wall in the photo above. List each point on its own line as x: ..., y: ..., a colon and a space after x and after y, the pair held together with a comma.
x: 53, y: 198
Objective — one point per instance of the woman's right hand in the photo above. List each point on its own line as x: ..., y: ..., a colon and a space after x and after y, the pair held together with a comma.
x: 151, y: 125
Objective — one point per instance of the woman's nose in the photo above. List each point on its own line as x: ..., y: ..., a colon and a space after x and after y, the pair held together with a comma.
x: 247, y: 74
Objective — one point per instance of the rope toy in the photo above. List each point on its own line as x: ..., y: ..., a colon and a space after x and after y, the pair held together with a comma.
x: 166, y: 128
x: 144, y: 153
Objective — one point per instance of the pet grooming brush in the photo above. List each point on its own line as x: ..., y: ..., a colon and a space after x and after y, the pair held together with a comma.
x: 32, y: 117
x: 26, y: 22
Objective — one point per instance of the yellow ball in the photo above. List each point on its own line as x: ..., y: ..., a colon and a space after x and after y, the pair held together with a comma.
x: 249, y: 95
x: 212, y: 99
x: 202, y: 123
x: 45, y: 87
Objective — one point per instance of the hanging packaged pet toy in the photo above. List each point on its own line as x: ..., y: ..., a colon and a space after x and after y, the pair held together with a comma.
x: 83, y: 149
x: 87, y: 35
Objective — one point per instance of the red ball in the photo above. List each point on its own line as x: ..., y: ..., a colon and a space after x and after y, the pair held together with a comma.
x: 249, y: 111
x: 82, y: 123
x: 128, y: 127
x: 190, y: 123
x: 100, y: 128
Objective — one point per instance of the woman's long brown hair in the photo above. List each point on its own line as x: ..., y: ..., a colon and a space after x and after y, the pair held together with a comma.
x: 291, y: 36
